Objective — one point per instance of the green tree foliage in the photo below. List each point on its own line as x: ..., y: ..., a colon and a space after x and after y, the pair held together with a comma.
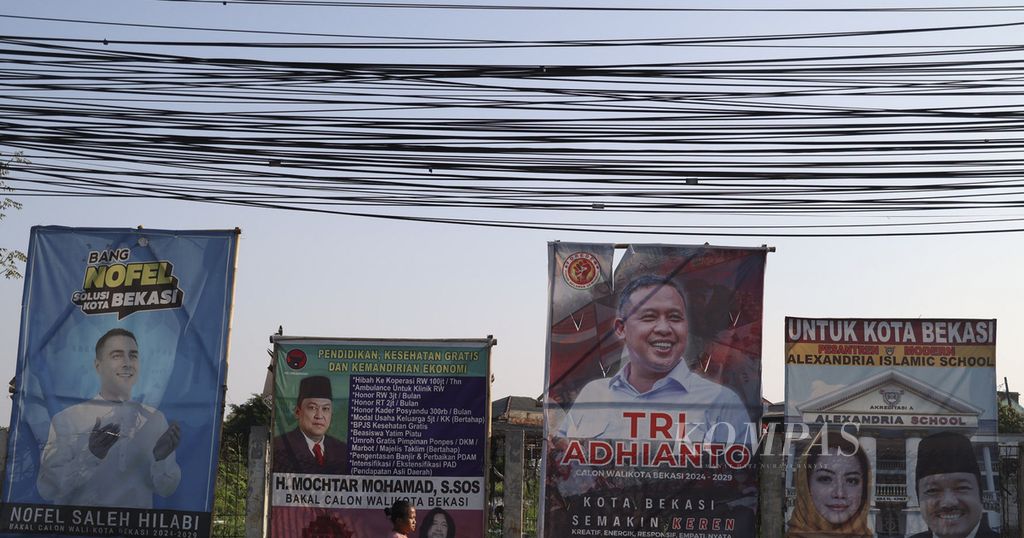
x: 1010, y: 420
x: 10, y: 258
x: 231, y: 489
x: 241, y: 418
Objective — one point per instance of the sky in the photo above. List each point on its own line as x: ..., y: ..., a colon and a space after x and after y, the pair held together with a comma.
x: 337, y: 276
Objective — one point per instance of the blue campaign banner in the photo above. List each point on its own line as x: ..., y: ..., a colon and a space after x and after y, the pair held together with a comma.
x: 115, y: 425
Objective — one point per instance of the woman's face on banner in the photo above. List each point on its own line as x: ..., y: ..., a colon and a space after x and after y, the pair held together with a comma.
x: 837, y: 486
x: 438, y: 527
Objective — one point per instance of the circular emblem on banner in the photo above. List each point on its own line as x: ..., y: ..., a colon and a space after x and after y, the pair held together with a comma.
x: 296, y: 359
x: 580, y: 270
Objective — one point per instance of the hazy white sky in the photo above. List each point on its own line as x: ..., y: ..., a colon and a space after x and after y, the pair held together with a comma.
x: 319, y: 275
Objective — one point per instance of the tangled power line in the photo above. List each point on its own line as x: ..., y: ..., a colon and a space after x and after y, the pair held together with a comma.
x: 796, y: 134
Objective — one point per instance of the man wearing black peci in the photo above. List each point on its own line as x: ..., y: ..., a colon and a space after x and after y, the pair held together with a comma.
x: 949, y: 487
x: 308, y: 449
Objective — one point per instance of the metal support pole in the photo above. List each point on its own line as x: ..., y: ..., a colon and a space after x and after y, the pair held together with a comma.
x: 1020, y: 486
x: 773, y: 495
x: 256, y: 496
x: 3, y: 453
x: 513, y: 520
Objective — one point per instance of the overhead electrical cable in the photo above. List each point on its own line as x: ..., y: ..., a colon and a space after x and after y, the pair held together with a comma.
x: 911, y: 141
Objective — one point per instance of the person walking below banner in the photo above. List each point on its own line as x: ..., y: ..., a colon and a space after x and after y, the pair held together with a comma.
x: 402, y: 516
x: 110, y: 450
x: 308, y: 449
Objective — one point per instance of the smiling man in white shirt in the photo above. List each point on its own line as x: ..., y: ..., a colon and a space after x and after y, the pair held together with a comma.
x: 651, y: 320
x: 110, y: 450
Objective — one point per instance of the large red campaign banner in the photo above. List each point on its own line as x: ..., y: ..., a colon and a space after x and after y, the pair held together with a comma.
x: 653, y: 391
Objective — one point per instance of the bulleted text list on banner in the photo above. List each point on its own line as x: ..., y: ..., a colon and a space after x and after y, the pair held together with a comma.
x: 359, y: 424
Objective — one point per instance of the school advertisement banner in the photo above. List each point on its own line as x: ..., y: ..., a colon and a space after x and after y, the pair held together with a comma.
x: 117, y: 408
x: 653, y: 391
x: 359, y: 424
x: 884, y: 413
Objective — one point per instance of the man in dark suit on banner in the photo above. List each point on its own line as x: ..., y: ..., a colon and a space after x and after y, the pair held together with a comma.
x: 308, y: 449
x: 949, y: 488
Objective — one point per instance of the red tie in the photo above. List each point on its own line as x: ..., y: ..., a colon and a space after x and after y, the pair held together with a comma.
x: 319, y: 453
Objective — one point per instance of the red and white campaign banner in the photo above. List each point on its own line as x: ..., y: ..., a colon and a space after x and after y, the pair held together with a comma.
x: 653, y: 391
